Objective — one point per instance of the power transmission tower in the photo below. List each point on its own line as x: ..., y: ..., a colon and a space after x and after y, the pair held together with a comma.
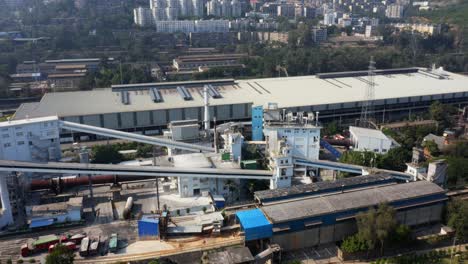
x: 367, y: 110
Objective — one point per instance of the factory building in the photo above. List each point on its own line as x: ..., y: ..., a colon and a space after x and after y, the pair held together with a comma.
x: 55, y: 213
x: 325, y: 219
x: 337, y: 96
x: 322, y: 188
x: 24, y: 140
x: 374, y: 140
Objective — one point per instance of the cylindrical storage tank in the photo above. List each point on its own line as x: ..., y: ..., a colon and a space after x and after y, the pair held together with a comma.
x: 128, y: 208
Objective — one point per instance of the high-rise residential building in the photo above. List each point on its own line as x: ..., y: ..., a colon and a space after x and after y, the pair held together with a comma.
x: 394, y: 11
x: 213, y: 8
x: 236, y: 8
x: 224, y: 8
x: 187, y: 26
x: 143, y: 16
x: 329, y: 18
x: 286, y: 10
x: 319, y: 34
x: 173, y: 9
x: 310, y: 12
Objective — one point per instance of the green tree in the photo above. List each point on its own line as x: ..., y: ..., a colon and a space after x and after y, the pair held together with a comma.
x: 60, y: 255
x: 366, y: 228
x: 106, y: 154
x: 330, y: 128
x: 375, y: 226
x: 457, y: 218
x: 432, y: 147
x: 385, y: 223
x: 362, y: 158
x: 442, y: 113
x: 395, y: 159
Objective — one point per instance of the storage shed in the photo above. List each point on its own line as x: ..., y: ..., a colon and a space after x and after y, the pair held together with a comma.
x: 254, y: 224
x: 218, y: 201
x: 148, y: 226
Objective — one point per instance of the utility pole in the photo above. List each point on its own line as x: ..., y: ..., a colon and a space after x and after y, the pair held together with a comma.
x: 157, y: 179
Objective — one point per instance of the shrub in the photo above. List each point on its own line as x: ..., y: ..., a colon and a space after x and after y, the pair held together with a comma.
x: 353, y: 244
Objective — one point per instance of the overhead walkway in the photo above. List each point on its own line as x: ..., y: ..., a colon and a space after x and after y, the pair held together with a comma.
x: 98, y: 169
x: 330, y: 148
x: 133, y: 137
x: 338, y: 166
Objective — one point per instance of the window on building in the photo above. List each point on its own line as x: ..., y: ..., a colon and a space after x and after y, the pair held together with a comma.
x: 20, y: 143
x: 7, y: 145
x: 19, y: 134
x: 18, y: 128
x: 5, y: 136
x: 4, y: 129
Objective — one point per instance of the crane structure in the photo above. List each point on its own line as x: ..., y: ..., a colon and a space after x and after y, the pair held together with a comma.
x: 367, y: 110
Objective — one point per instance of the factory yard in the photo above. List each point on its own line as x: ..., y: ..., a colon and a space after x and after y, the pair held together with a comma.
x: 10, y: 247
x: 136, y: 249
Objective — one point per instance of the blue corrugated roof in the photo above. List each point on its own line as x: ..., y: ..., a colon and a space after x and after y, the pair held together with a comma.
x: 254, y: 224
x: 252, y: 218
x: 41, y: 222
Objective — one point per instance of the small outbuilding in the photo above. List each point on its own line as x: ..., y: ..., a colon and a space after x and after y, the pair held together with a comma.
x: 254, y: 224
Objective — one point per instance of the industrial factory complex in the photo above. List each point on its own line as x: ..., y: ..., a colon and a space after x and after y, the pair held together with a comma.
x: 230, y: 163
x: 336, y: 95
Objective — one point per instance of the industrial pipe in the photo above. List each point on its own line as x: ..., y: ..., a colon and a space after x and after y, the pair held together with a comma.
x: 59, y: 184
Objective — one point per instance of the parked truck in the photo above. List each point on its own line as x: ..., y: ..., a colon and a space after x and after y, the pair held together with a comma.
x: 70, y: 245
x: 84, y: 247
x: 113, y: 241
x: 41, y: 244
x: 94, y: 246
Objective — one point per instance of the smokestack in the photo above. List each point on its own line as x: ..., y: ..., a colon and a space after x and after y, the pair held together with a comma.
x: 207, y: 108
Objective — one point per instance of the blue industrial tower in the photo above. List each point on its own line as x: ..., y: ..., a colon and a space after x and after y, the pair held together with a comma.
x: 257, y: 123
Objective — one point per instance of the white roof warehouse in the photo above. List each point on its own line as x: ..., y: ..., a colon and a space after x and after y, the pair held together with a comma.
x: 333, y: 94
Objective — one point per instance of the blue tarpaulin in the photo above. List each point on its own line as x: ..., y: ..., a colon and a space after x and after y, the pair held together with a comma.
x: 254, y: 224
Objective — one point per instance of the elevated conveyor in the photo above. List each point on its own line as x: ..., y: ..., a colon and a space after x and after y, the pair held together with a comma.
x: 98, y: 169
x: 338, y: 166
x: 133, y: 137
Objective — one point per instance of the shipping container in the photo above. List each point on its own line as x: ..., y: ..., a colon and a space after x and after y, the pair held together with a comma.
x: 148, y: 226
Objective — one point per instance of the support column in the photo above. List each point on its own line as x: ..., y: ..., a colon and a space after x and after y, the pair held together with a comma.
x: 6, y: 216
